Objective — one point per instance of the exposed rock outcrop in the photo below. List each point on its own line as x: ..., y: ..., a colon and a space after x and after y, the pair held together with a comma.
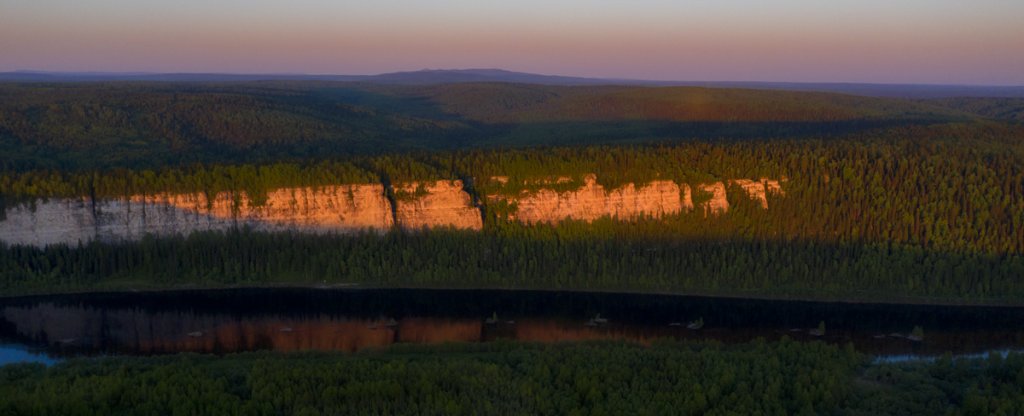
x: 758, y: 190
x: 435, y: 204
x: 341, y: 208
x: 593, y: 201
x: 328, y: 208
x: 719, y: 203
x: 345, y: 208
x: 71, y: 221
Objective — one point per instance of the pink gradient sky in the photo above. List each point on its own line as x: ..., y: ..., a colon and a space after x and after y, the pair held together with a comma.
x: 912, y: 41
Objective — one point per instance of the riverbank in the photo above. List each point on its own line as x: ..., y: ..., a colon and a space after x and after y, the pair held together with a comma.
x: 473, y: 260
x: 864, y: 299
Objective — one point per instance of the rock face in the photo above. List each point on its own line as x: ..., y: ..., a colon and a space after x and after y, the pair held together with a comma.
x: 330, y: 208
x: 593, y: 201
x: 758, y: 190
x: 49, y: 222
x: 435, y: 204
x: 342, y: 208
x: 71, y: 221
x: 718, y: 204
x: 346, y: 208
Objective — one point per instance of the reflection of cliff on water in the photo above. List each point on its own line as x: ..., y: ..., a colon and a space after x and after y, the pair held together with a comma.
x: 292, y: 320
x: 135, y: 331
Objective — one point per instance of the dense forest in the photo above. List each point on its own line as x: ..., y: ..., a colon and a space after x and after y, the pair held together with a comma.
x: 884, y: 198
x: 926, y: 213
x: 568, y: 257
x: 782, y: 377
x: 950, y: 189
x: 1007, y: 108
x: 143, y: 125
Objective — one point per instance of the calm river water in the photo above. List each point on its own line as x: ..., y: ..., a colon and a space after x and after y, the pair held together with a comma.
x: 46, y: 328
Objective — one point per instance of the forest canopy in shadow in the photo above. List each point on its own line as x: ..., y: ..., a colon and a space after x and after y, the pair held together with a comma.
x: 129, y: 124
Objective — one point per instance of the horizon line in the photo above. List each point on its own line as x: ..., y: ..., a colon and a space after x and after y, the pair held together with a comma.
x: 580, y: 77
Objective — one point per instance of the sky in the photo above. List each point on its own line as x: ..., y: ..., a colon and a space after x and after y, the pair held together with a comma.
x: 977, y: 42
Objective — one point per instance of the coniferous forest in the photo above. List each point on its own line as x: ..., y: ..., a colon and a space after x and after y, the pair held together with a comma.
x: 928, y: 213
x: 782, y: 377
x: 913, y: 201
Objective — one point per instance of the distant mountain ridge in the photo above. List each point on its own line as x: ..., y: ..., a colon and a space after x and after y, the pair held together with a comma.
x: 421, y: 77
x: 453, y: 76
x: 483, y: 75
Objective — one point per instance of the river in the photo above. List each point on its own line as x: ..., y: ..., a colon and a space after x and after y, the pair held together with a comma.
x: 49, y: 328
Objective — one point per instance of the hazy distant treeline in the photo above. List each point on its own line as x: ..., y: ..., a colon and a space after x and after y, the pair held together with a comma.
x: 144, y: 125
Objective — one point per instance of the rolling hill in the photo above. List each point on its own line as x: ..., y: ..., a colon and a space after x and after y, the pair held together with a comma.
x: 995, y: 108
x: 131, y: 124
x: 478, y: 75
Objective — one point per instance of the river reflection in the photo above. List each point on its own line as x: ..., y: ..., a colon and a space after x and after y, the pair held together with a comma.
x: 222, y: 321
